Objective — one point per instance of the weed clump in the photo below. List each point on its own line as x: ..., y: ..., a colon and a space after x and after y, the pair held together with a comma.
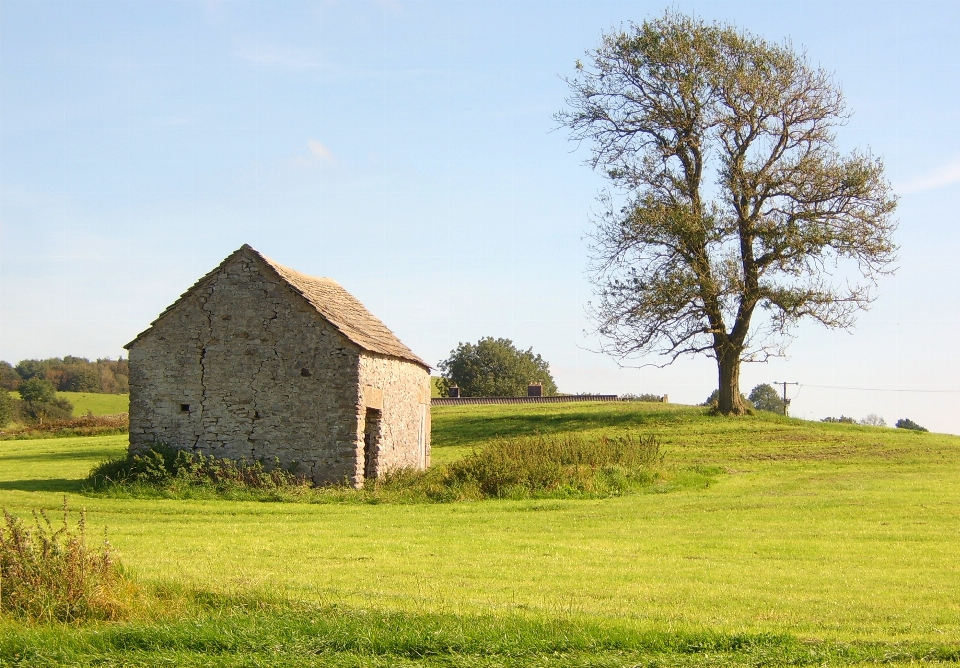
x: 556, y: 466
x: 51, y: 574
x: 170, y: 472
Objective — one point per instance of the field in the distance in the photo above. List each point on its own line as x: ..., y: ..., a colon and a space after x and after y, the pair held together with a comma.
x: 825, y: 533
x: 94, y: 402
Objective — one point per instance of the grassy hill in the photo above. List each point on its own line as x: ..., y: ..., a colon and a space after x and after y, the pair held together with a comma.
x: 813, y: 544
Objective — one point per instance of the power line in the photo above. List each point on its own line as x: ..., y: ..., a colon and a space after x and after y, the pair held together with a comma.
x: 879, y: 389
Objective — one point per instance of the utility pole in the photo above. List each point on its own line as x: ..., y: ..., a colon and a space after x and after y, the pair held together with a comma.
x: 786, y: 402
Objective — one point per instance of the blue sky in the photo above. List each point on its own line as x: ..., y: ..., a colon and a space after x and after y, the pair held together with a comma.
x: 407, y: 150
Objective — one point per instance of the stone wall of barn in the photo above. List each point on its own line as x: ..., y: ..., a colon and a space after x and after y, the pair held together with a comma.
x: 244, y: 368
x: 399, y: 392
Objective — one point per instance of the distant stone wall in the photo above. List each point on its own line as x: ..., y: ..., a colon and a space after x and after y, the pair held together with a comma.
x: 468, y: 401
x: 243, y: 368
x: 400, y: 390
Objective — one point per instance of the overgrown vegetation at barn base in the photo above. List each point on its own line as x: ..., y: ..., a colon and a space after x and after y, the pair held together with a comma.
x: 51, y: 574
x: 170, y: 472
x: 556, y: 466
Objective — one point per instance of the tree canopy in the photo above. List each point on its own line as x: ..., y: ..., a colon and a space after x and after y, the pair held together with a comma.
x: 37, y: 390
x: 40, y: 401
x: 495, y: 368
x: 731, y: 213
x: 765, y: 398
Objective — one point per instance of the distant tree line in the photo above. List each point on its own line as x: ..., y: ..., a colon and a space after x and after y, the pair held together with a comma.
x: 70, y: 374
x: 907, y: 423
x: 843, y: 419
x: 874, y: 420
x: 646, y: 396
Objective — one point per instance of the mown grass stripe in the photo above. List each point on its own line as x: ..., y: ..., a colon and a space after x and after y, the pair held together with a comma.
x: 337, y: 636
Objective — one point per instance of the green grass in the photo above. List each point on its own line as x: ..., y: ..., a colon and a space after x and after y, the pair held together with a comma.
x: 812, y: 543
x: 224, y: 632
x: 98, y: 404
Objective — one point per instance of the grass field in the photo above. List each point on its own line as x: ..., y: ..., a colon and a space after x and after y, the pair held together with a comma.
x: 98, y: 404
x: 815, y: 543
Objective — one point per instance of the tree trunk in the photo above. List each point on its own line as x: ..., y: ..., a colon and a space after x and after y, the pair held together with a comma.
x: 729, y: 401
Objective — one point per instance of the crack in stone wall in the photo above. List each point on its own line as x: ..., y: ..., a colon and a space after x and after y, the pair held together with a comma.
x: 255, y: 385
x: 203, y: 340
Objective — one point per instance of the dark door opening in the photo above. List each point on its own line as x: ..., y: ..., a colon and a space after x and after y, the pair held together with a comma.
x: 371, y: 444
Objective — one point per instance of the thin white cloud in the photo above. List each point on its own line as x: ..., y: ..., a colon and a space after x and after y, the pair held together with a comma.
x: 391, y: 6
x: 943, y: 176
x: 279, y: 56
x: 320, y: 151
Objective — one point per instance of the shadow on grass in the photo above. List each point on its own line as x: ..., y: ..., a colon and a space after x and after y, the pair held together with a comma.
x: 94, y: 454
x: 271, y: 633
x: 48, y: 485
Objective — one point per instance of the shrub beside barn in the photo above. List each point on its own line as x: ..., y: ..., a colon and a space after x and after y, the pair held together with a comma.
x: 258, y: 361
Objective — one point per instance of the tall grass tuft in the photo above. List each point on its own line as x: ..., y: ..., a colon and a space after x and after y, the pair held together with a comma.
x: 51, y: 574
x: 554, y: 466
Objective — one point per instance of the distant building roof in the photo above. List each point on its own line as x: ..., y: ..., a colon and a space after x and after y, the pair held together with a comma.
x: 328, y: 299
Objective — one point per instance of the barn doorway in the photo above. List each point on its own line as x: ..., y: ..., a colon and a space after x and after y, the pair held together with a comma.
x: 371, y: 443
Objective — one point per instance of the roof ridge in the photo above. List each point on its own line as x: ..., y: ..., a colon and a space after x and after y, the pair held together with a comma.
x: 328, y: 299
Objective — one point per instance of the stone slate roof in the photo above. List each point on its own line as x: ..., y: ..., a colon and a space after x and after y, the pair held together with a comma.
x: 328, y: 299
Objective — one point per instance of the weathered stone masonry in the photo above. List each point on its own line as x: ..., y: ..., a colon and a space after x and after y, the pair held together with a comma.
x: 259, y: 362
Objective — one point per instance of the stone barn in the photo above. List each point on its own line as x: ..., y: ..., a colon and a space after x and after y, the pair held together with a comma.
x: 260, y: 362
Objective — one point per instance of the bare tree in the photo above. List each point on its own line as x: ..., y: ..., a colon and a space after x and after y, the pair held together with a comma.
x: 732, y: 214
